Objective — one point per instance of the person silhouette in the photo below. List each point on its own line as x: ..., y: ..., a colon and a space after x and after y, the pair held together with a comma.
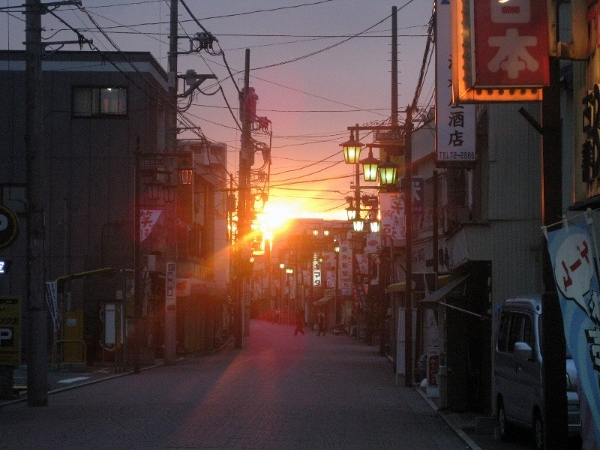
x: 299, y: 322
x: 321, y: 323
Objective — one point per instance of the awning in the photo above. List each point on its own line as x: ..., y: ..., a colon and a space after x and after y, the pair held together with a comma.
x: 436, y: 296
x: 401, y: 287
x: 201, y: 288
x: 322, y: 301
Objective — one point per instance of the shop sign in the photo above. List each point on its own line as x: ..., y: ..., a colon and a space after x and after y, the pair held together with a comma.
x: 511, y: 43
x: 316, y: 265
x: 500, y: 50
x: 572, y: 256
x: 171, y: 286
x: 590, y: 151
x: 392, y: 214
x: 455, y: 131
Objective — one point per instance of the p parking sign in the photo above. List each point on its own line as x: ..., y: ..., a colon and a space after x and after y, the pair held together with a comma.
x: 10, y: 330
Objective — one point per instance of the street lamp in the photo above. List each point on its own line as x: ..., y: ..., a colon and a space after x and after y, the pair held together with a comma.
x: 375, y: 226
x: 186, y: 175
x: 370, y: 166
x: 352, y: 149
x: 358, y: 225
x: 350, y: 210
x: 388, y: 172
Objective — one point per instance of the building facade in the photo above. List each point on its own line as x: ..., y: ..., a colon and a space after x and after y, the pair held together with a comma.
x: 105, y: 168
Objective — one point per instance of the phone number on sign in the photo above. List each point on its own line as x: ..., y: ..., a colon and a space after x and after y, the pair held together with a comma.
x: 456, y: 156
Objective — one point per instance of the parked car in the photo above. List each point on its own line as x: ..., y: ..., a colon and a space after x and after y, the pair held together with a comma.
x: 518, y: 371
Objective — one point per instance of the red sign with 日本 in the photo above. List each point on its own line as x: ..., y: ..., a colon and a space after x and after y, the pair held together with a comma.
x: 511, y: 43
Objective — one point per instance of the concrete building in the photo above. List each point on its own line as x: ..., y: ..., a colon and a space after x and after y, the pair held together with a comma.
x: 104, y: 130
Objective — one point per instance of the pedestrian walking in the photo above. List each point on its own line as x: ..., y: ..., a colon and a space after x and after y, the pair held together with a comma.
x: 299, y: 322
x: 321, y: 323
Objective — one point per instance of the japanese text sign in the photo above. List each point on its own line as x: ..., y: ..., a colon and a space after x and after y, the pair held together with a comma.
x: 392, y: 214
x: 511, y: 43
x: 572, y: 257
x: 455, y: 131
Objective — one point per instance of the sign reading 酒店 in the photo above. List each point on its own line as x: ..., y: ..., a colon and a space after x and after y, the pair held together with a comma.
x: 455, y: 130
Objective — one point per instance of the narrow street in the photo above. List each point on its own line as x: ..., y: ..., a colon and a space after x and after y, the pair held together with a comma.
x: 281, y: 392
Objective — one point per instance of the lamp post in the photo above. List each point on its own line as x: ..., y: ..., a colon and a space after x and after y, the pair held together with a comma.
x: 281, y: 290
x: 289, y: 271
x: 336, y: 251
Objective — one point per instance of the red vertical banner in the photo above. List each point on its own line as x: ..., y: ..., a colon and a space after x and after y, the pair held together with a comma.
x: 511, y: 43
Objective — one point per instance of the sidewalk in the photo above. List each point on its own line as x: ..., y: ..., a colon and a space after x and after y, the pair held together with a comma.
x: 69, y: 377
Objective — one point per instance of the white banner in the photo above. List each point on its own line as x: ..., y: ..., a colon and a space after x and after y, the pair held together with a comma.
x: 148, y: 218
x: 392, y: 214
x: 455, y: 136
x: 52, y: 299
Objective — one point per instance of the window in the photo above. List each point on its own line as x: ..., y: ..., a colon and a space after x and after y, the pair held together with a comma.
x: 503, y: 332
x: 99, y: 101
x: 516, y: 331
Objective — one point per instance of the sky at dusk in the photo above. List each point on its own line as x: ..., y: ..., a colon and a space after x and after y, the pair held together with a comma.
x: 317, y: 68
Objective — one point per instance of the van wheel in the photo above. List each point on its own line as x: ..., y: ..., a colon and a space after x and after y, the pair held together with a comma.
x: 505, y: 428
x: 538, y: 431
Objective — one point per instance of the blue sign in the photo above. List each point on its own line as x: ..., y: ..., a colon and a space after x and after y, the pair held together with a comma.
x: 576, y: 280
x: 418, y: 201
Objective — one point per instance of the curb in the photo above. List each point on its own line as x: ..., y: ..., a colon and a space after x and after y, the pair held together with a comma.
x: 85, y: 383
x: 451, y: 423
x: 110, y: 377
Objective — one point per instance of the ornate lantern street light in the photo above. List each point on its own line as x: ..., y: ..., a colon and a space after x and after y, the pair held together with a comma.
x: 186, y: 175
x: 375, y: 226
x: 358, y: 225
x: 154, y: 190
x: 350, y: 210
x: 388, y: 171
x: 370, y: 167
x: 352, y: 150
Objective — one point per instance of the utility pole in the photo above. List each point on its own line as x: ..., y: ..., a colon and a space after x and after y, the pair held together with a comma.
x: 408, y: 379
x: 394, y: 66
x: 170, y: 341
x: 553, y: 344
x: 37, y: 345
x: 244, y: 208
x: 171, y: 132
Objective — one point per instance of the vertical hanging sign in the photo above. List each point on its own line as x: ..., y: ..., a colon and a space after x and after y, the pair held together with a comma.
x: 391, y: 205
x: 316, y: 266
x: 170, y: 286
x: 455, y: 133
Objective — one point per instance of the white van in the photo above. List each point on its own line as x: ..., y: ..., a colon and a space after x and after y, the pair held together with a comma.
x: 518, y: 370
